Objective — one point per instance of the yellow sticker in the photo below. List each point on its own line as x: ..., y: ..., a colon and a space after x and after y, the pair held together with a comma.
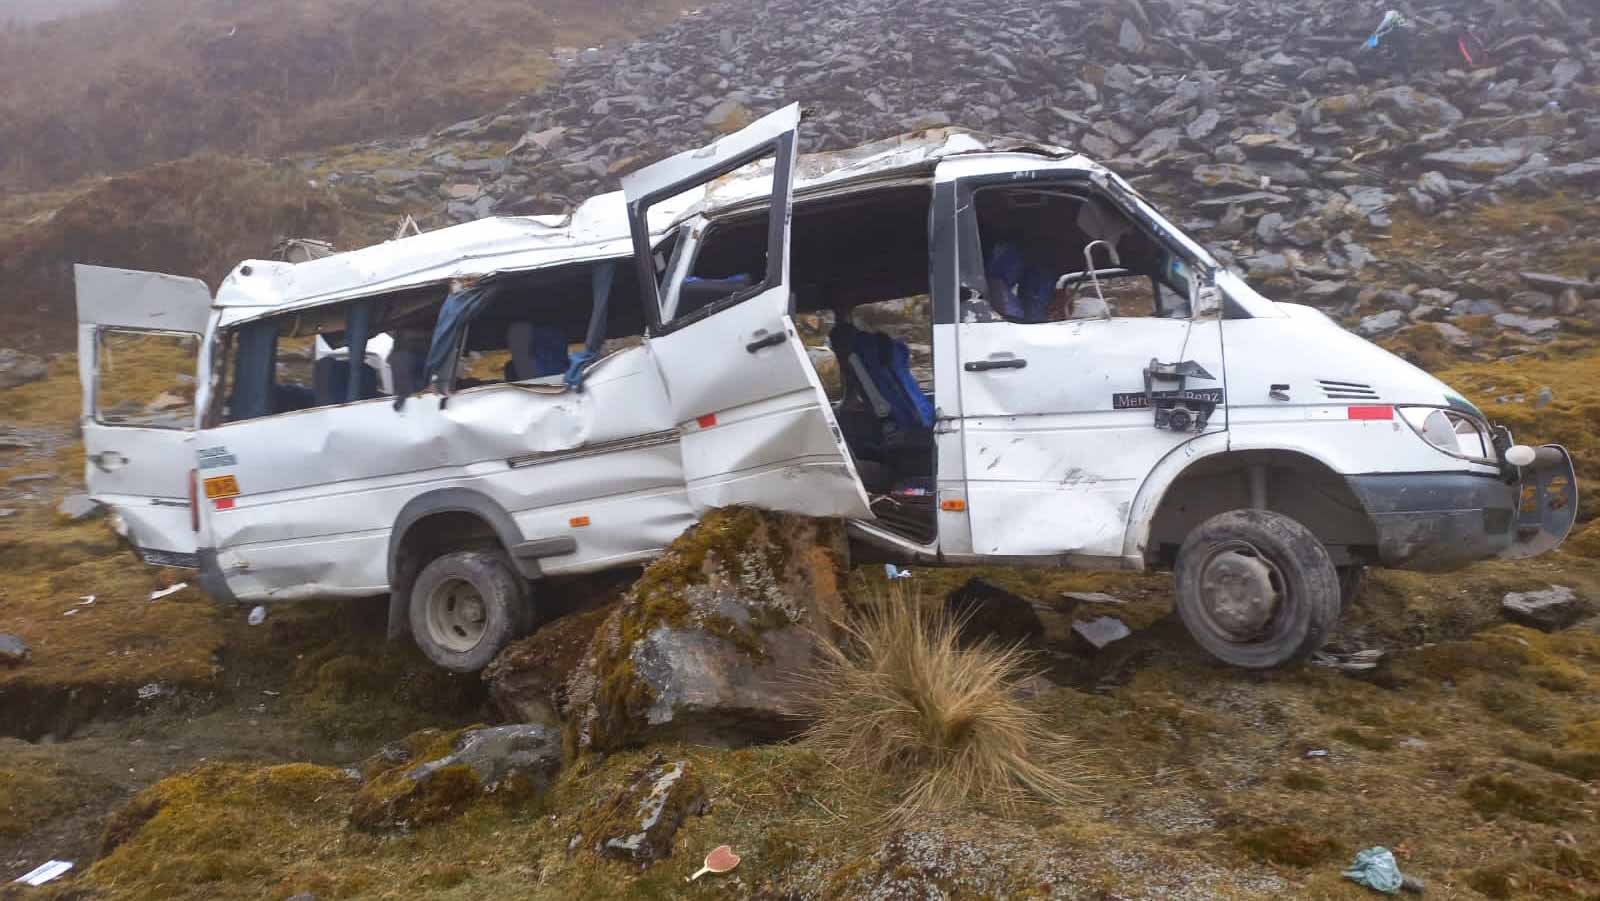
x: 221, y: 486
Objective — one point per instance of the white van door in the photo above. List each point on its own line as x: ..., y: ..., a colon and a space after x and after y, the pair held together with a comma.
x: 756, y: 426
x: 1065, y: 412
x: 139, y: 336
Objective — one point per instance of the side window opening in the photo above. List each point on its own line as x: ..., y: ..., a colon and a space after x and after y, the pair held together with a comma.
x: 145, y: 379
x: 1053, y: 253
x: 303, y: 360
x: 713, y: 265
x: 544, y: 327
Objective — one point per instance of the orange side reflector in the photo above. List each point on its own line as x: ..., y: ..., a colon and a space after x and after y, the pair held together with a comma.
x: 953, y: 506
x: 1371, y: 412
x: 707, y: 421
x: 578, y: 522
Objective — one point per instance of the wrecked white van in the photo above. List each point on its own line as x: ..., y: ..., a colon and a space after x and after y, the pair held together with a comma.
x: 452, y: 417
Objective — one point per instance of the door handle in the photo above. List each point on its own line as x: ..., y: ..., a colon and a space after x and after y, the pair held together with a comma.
x: 772, y: 340
x: 108, y: 461
x: 986, y: 365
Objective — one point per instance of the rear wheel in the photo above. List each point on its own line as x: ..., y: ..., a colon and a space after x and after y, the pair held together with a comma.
x: 1256, y: 589
x: 466, y: 606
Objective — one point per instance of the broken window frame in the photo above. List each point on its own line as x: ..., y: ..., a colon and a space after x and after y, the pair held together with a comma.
x: 360, y: 320
x: 100, y: 348
x: 780, y: 149
x: 971, y: 279
x: 602, y: 281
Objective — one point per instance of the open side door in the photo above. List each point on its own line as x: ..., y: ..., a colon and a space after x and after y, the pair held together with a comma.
x: 756, y: 425
x: 139, y: 337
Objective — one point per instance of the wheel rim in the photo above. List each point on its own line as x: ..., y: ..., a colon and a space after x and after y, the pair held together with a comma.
x: 457, y: 616
x: 1241, y: 591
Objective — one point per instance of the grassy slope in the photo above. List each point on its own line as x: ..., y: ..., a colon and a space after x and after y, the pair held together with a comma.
x: 183, y: 76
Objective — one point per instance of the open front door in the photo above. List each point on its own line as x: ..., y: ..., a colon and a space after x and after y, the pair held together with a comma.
x: 756, y: 426
x: 138, y: 345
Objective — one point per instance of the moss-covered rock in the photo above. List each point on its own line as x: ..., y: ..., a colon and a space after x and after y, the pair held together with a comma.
x: 706, y: 645
x: 639, y: 820
x: 515, y: 762
x: 528, y: 681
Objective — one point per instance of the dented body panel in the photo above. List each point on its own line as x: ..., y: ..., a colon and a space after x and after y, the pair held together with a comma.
x: 1046, y: 447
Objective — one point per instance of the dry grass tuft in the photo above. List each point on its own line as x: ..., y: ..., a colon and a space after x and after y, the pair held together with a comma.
x: 902, y: 697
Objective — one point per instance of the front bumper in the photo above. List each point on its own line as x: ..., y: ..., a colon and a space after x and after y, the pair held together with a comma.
x: 1439, y: 521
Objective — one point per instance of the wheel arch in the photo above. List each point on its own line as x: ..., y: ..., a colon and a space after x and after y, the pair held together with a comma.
x: 1207, y: 477
x: 468, y: 517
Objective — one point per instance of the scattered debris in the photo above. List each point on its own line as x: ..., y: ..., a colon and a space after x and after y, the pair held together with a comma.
x: 168, y: 592
x: 151, y: 691
x: 1377, y: 869
x: 1317, y: 752
x: 257, y: 616
x: 45, y: 872
x: 892, y: 572
x: 1101, y: 631
x: 1357, y: 662
x: 13, y: 650
x: 1550, y: 610
x: 77, y: 507
x: 1093, y: 597
x: 720, y: 860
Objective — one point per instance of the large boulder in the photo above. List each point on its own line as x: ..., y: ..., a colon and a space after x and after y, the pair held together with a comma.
x: 707, y: 645
x: 432, y: 776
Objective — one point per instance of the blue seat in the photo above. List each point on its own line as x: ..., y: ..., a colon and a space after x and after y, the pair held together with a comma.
x: 537, y: 351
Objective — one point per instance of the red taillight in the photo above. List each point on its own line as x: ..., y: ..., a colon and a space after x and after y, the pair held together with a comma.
x: 1371, y: 412
x: 194, y: 499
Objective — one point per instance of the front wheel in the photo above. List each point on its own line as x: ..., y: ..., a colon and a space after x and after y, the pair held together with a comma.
x: 1256, y: 589
x: 466, y: 606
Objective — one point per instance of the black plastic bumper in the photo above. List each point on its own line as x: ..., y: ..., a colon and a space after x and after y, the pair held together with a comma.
x: 1438, y: 521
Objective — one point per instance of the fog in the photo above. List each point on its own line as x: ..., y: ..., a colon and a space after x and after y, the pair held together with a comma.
x: 44, y: 10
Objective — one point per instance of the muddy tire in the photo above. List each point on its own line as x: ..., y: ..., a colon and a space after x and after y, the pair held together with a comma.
x: 1256, y: 589
x: 466, y: 606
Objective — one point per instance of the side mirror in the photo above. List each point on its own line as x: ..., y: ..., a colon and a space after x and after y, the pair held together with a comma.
x: 1208, y: 301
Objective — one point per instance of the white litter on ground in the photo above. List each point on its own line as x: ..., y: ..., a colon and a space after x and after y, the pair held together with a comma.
x: 45, y: 872
x: 158, y: 595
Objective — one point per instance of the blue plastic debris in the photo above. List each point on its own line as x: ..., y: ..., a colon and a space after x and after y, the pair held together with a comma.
x: 1391, y: 20
x: 1376, y: 869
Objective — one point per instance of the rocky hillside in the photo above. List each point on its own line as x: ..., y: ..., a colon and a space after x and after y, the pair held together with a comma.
x: 1331, y: 173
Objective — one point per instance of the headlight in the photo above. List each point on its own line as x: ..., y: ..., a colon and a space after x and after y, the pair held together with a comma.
x: 1452, y: 432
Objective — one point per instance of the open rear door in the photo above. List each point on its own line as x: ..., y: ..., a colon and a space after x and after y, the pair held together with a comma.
x: 138, y: 345
x: 756, y: 425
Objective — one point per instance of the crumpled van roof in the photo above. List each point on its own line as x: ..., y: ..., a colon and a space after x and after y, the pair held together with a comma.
x: 596, y: 229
